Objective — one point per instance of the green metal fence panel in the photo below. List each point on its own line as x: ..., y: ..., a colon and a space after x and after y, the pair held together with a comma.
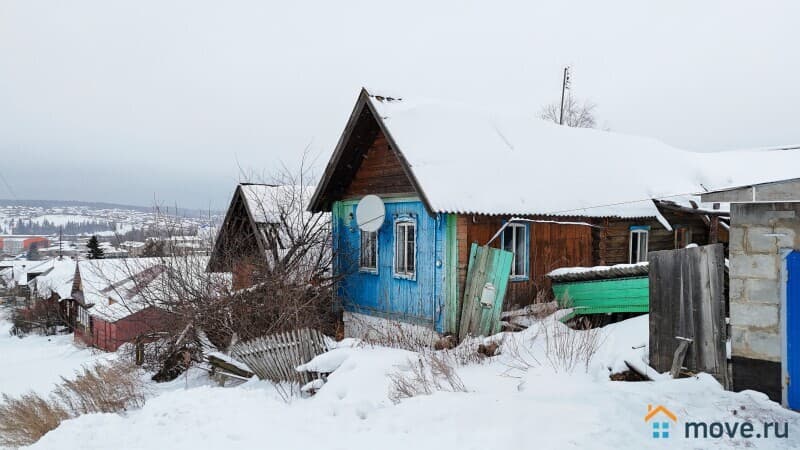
x: 604, y: 296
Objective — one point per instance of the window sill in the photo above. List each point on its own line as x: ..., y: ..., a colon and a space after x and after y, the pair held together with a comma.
x: 368, y: 270
x: 409, y: 277
x: 515, y: 278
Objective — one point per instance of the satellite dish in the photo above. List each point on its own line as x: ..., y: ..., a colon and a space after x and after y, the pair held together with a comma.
x: 370, y: 213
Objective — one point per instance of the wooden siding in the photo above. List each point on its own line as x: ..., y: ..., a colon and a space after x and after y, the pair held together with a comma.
x: 109, y: 336
x: 237, y: 242
x: 551, y: 246
x: 383, y: 294
x: 380, y: 172
x: 611, y: 242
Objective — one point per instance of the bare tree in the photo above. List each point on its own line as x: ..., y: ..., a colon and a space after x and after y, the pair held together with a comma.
x: 287, y: 263
x: 576, y: 114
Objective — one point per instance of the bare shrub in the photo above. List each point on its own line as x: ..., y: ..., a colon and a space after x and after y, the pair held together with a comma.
x: 267, y: 278
x: 579, y: 115
x: 567, y: 349
x: 43, y: 316
x: 431, y: 372
x: 114, y: 388
x: 554, y: 344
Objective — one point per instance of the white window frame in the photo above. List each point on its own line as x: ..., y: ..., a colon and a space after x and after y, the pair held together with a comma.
x: 404, y: 223
x: 361, y: 266
x: 526, y: 236
x: 635, y: 236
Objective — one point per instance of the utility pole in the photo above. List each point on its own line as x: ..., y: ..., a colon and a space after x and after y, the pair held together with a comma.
x: 564, y: 87
x: 60, y: 236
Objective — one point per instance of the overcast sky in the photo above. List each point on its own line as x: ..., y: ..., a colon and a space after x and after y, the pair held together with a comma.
x: 131, y: 101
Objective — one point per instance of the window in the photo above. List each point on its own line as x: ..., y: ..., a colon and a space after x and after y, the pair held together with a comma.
x: 638, y: 244
x: 368, y: 261
x: 405, y: 248
x: 515, y: 240
x: 683, y: 236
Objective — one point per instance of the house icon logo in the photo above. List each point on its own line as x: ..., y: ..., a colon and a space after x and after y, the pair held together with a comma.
x: 656, y: 417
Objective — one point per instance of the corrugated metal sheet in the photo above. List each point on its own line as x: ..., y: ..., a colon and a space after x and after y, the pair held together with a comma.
x: 598, y: 273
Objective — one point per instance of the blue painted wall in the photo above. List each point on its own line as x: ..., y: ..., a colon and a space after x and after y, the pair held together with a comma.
x: 383, y: 294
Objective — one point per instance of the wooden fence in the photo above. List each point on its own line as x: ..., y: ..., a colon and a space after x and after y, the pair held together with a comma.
x: 275, y: 357
x: 687, y: 302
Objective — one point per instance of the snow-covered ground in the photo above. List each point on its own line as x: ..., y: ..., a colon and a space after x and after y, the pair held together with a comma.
x: 512, y: 401
x: 36, y: 363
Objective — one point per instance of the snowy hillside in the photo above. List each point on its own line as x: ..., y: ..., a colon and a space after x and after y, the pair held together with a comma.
x: 519, y: 399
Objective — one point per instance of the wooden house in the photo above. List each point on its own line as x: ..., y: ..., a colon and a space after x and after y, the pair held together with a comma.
x: 265, y: 228
x: 450, y: 175
x: 246, y: 233
x: 108, y: 302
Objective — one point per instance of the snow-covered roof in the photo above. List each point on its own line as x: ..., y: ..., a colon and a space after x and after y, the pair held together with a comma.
x: 15, y: 272
x: 267, y: 201
x: 469, y: 160
x: 57, y: 279
x: 120, y: 287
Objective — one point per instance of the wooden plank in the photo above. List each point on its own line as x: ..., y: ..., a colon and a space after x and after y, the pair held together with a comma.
x: 686, y: 300
x: 680, y: 355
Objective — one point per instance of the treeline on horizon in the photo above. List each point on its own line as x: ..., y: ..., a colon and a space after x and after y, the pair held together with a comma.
x: 46, y: 227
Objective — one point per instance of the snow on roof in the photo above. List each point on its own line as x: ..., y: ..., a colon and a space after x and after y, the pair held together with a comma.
x: 15, y: 272
x: 474, y: 161
x: 57, y: 279
x: 566, y: 274
x: 120, y: 287
x: 267, y: 201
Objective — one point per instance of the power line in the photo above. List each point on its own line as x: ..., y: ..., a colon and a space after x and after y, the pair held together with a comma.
x: 650, y: 199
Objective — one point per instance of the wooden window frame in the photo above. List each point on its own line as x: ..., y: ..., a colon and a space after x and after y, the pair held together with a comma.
x: 633, y: 236
x: 526, y: 235
x: 404, y: 223
x: 361, y: 266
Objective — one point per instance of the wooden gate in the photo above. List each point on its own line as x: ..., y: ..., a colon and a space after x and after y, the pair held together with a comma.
x: 687, y: 302
x: 485, y: 289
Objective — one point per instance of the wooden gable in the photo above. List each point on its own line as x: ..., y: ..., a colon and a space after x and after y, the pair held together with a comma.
x: 238, y: 236
x: 366, y: 161
x: 380, y: 172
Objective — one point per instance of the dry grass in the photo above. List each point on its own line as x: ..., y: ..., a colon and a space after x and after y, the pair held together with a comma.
x: 555, y: 345
x: 111, y: 388
x: 431, y: 372
x: 25, y: 419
